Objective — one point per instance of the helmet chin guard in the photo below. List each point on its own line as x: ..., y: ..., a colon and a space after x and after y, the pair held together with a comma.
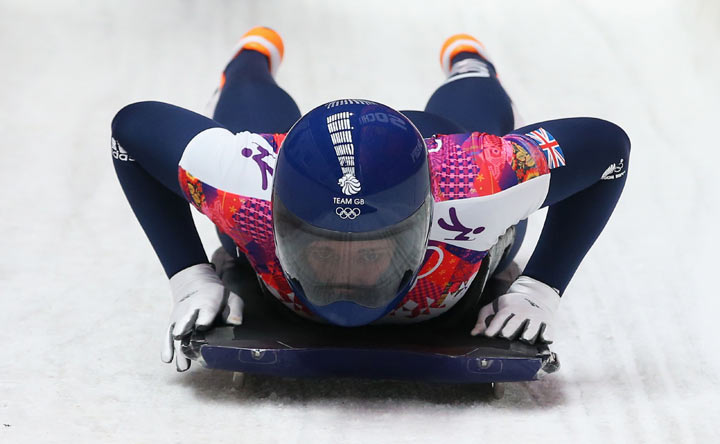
x: 352, y: 208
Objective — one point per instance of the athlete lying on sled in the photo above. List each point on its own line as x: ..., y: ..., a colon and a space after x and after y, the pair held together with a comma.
x: 356, y: 213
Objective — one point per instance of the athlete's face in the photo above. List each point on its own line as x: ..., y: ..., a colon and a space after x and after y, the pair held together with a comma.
x: 355, y: 264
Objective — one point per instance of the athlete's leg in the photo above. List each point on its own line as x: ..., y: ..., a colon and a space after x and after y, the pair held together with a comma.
x: 430, y: 124
x: 472, y: 96
x: 150, y: 137
x: 582, y: 194
x: 250, y: 99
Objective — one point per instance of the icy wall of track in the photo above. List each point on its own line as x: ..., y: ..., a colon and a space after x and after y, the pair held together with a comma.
x: 83, y: 301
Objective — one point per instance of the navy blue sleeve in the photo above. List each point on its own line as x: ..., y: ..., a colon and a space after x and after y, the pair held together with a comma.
x: 582, y: 194
x: 148, y: 140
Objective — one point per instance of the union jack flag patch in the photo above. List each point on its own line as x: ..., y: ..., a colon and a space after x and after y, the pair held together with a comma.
x: 552, y: 150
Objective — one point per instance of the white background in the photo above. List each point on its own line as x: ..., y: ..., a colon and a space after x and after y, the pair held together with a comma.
x: 84, y: 301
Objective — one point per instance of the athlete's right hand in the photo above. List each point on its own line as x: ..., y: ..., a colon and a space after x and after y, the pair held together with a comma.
x: 199, y: 297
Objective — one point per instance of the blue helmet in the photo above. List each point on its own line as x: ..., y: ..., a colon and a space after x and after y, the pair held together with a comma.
x: 352, y: 208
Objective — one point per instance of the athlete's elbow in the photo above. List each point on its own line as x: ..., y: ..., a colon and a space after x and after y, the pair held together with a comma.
x: 618, y: 138
x: 621, y: 140
x: 612, y: 138
x: 128, y: 118
x: 127, y: 129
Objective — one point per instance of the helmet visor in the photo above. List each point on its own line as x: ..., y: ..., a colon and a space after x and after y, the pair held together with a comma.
x: 369, y: 268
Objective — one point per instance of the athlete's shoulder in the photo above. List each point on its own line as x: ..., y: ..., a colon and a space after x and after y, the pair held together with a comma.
x: 482, y: 184
x: 241, y: 163
x: 480, y: 164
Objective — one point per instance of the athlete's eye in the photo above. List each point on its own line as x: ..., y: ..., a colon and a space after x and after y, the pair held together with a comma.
x: 323, y: 254
x: 369, y: 255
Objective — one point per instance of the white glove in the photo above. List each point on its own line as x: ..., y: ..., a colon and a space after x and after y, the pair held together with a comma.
x: 526, y: 310
x: 199, y: 296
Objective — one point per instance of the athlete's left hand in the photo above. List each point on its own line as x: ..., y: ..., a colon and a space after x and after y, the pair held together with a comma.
x: 526, y: 312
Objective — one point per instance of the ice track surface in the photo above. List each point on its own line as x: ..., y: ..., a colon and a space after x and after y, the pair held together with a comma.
x: 83, y: 300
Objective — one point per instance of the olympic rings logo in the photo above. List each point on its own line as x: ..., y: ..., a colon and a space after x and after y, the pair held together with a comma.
x: 347, y: 213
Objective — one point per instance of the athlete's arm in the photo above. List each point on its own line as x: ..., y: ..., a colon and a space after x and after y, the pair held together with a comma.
x: 148, y: 141
x: 588, y: 160
x: 582, y: 194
